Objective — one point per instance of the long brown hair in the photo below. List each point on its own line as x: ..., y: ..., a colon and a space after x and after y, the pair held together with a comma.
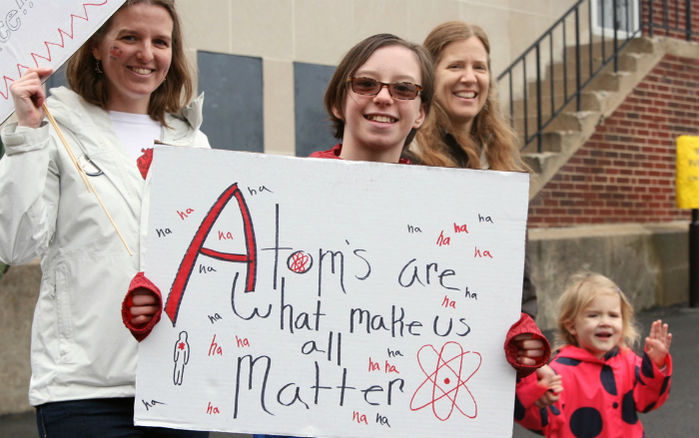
x: 489, y: 129
x: 336, y: 93
x: 175, y: 92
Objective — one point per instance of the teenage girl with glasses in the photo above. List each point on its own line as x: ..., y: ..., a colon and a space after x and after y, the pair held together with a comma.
x: 377, y: 99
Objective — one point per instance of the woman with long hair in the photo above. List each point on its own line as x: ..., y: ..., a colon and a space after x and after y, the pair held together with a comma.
x: 130, y: 88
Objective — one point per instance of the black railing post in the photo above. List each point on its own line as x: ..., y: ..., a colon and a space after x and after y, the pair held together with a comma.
x: 512, y: 100
x: 616, y: 31
x: 553, y: 73
x: 694, y: 259
x: 604, y: 21
x: 688, y: 19
x: 589, y: 25
x: 538, y: 98
x: 577, y: 58
x: 525, y: 101
x: 565, y: 64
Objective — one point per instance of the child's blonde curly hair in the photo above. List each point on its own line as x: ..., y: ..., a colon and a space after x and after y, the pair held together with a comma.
x: 581, y: 289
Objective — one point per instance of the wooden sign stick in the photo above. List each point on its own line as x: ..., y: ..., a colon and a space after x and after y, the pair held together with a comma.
x: 88, y: 184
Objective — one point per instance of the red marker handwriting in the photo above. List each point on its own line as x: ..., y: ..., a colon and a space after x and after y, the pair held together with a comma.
x: 460, y: 228
x: 174, y: 299
x: 449, y: 303
x: 212, y: 410
x: 441, y: 240
x: 215, y: 349
x: 478, y: 254
x: 359, y: 418
x: 388, y: 368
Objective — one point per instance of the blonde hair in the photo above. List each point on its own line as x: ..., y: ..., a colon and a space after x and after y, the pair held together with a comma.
x: 489, y: 129
x: 582, y: 288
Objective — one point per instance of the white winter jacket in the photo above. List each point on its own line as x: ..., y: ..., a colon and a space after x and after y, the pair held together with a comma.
x: 80, y: 348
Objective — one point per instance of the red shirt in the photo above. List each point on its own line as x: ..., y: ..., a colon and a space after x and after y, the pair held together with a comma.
x: 335, y: 153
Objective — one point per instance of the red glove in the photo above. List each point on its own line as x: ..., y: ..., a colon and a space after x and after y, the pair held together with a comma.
x: 141, y: 284
x: 525, y: 325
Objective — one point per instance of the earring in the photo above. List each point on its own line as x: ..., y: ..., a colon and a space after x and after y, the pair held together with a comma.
x: 98, y: 67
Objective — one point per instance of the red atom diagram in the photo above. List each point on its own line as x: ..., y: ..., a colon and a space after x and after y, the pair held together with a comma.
x: 180, y: 345
x: 445, y: 388
x: 299, y: 262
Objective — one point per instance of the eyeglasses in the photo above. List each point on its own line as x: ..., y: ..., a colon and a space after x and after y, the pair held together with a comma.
x: 372, y: 87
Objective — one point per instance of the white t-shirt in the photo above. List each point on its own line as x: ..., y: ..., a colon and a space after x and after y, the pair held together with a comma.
x: 136, y: 131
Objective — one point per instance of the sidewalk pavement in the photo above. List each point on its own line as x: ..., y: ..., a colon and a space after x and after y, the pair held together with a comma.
x: 678, y: 417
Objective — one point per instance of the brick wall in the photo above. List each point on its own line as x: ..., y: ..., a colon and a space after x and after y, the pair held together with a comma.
x: 673, y: 22
x: 626, y: 172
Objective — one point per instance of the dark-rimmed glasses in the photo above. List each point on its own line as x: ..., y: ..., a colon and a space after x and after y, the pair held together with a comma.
x: 372, y: 87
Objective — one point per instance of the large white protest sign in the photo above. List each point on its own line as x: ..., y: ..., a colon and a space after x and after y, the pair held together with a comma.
x: 330, y: 298
x: 44, y: 34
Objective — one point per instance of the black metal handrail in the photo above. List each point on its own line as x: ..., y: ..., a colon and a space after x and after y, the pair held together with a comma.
x: 625, y: 25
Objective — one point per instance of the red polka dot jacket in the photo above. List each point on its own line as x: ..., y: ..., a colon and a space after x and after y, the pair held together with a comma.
x: 600, y: 398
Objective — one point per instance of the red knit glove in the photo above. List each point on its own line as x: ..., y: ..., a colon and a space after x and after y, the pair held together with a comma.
x: 525, y: 325
x: 141, y: 283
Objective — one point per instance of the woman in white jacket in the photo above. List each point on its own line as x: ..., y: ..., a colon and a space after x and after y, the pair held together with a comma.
x: 130, y: 84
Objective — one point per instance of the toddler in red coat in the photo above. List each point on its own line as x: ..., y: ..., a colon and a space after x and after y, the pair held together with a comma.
x: 604, y: 382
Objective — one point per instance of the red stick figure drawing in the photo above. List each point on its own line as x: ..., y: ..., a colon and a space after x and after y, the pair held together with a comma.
x: 181, y: 357
x: 445, y: 388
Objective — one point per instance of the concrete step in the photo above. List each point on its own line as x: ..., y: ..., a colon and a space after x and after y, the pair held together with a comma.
x: 589, y: 101
x: 565, y: 121
x: 537, y: 161
x: 627, y: 62
x: 604, y: 81
x: 556, y: 141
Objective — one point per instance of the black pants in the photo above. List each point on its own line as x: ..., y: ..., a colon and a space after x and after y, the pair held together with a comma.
x: 99, y: 418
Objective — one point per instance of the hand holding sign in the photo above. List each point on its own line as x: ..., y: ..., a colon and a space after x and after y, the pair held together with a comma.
x: 34, y: 41
x: 29, y: 96
x: 48, y: 213
x: 44, y: 35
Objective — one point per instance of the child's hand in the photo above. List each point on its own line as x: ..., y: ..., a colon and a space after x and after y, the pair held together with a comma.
x: 658, y: 343
x: 549, y: 379
x: 528, y: 349
x: 145, y: 305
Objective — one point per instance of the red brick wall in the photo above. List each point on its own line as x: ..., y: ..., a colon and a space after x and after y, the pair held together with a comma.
x: 674, y: 19
x: 626, y: 172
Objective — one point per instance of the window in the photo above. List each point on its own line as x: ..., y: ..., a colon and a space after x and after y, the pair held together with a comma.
x: 627, y: 17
